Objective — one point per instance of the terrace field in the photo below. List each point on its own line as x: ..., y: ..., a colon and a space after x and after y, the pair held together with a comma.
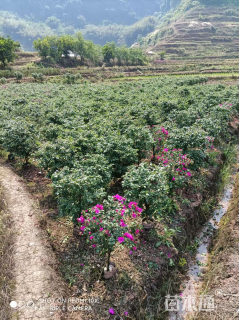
x: 199, y: 33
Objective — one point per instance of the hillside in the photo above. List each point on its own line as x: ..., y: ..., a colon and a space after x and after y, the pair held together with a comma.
x: 120, y: 21
x: 202, y: 31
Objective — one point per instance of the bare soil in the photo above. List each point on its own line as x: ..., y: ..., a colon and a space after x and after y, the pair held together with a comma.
x: 35, y: 267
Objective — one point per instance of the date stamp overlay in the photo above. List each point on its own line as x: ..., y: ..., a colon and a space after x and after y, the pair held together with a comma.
x: 57, y: 304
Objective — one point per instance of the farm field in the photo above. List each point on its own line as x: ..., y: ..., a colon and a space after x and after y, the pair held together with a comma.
x: 123, y: 172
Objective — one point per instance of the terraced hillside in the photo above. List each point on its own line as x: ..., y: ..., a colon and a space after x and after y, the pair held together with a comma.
x: 211, y: 32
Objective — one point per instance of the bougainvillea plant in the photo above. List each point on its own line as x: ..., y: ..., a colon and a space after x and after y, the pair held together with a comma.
x: 148, y: 184
x: 160, y: 136
x: 176, y: 164
x: 104, y: 225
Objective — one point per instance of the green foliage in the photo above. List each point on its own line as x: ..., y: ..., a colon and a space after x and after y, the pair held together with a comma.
x: 147, y: 184
x: 79, y: 187
x: 38, y: 76
x: 115, y: 128
x: 20, y: 138
x: 18, y: 75
x: 3, y: 80
x: 7, y: 50
x: 108, y: 53
x: 71, y: 78
x: 55, y: 47
x: 162, y: 55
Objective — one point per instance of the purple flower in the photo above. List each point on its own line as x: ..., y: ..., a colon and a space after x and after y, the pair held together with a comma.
x: 121, y: 239
x: 129, y: 236
x: 111, y: 311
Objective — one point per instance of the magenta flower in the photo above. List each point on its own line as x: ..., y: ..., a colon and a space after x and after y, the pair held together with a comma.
x: 97, y: 211
x: 173, y: 179
x: 122, y: 224
x: 165, y: 150
x: 129, y: 236
x: 91, y: 237
x: 134, y: 248
x: 189, y: 174
x: 132, y: 204
x: 111, y: 311
x: 134, y: 215
x: 99, y: 206
x: 130, y: 252
x: 101, y: 229
x: 126, y: 313
x: 118, y: 197
x: 81, y: 219
x: 121, y: 239
x: 93, y: 245
x: 82, y: 228
x: 137, y: 231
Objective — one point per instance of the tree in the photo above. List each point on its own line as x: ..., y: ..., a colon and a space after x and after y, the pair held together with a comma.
x: 108, y: 53
x: 68, y: 44
x: 80, y: 46
x: 104, y: 225
x: 7, y: 50
x: 162, y: 55
x: 42, y: 46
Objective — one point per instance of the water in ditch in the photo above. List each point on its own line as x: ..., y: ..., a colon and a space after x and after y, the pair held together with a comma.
x: 186, y: 300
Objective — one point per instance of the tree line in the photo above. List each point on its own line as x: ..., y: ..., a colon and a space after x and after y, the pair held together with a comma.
x: 76, y: 47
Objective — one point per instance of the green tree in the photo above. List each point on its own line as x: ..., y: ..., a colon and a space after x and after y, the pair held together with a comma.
x: 67, y: 43
x: 162, y: 55
x: 80, y: 47
x: 42, y: 46
x: 108, y: 53
x: 7, y: 50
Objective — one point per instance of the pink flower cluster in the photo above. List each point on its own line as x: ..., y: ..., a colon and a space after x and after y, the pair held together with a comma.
x: 119, y: 198
x: 95, y: 221
x: 176, y: 161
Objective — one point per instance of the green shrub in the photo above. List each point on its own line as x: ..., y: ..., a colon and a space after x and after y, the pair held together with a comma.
x: 3, y: 80
x: 20, y: 138
x: 18, y: 75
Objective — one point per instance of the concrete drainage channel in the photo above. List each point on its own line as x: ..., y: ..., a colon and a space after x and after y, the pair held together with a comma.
x: 185, y: 305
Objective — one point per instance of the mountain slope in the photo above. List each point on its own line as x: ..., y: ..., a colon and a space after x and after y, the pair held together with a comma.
x: 200, y: 31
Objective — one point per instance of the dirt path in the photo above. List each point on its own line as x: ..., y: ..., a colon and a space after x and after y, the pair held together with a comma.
x: 35, y: 272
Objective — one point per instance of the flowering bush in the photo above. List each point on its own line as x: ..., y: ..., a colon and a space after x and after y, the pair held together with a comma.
x: 105, y: 225
x: 176, y: 163
x: 160, y: 135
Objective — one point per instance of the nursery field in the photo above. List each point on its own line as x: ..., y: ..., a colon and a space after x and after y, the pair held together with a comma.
x: 125, y: 175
